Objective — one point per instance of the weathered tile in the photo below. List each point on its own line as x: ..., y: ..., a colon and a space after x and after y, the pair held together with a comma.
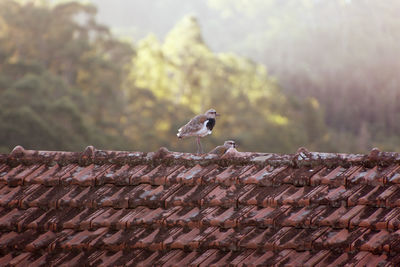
x: 263, y: 196
x: 84, y: 176
x: 301, y: 239
x: 373, y: 260
x: 118, y: 175
x: 183, y: 239
x: 225, y: 217
x: 82, y: 239
x: 117, y: 212
x: 189, y: 195
x: 279, y: 258
x: 227, y: 238
x: 394, y: 199
x: 393, y: 219
x: 109, y: 218
x: 264, y: 176
x: 257, y: 258
x: 182, y: 258
x: 9, y: 218
x: 202, y: 259
x: 381, y: 199
x: 374, y: 241
x: 374, y: 220
x: 184, y: 216
x: 16, y: 175
x: 10, y: 196
x: 366, y: 196
x: 294, y: 199
x: 188, y: 176
x: 259, y: 238
x: 337, y: 196
x: 394, y: 176
x: 263, y: 217
x: 344, y: 220
x: 299, y: 177
x: 223, y: 196
x: 334, y: 259
x: 155, y: 176
x: 316, y: 258
x: 313, y: 195
x: 42, y: 242
x: 338, y: 239
x: 227, y: 258
x: 362, y: 215
x: 146, y: 216
x: 303, y: 217
x: 16, y: 240
x: 42, y: 197
x: 295, y: 258
x: 366, y: 176
x: 330, y: 176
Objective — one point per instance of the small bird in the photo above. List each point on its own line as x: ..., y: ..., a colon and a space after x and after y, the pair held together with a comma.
x: 220, y: 150
x: 199, y: 126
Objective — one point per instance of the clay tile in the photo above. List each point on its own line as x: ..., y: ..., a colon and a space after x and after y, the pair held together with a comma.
x: 87, y: 157
x: 373, y: 155
x: 302, y: 154
x: 161, y: 153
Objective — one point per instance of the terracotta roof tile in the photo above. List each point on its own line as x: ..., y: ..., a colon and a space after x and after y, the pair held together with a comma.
x: 110, y: 208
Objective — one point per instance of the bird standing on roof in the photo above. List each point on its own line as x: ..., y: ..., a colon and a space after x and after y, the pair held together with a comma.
x: 199, y: 126
x: 220, y: 150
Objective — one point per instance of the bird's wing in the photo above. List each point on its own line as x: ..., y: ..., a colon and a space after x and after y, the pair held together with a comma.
x: 219, y: 150
x: 193, y: 125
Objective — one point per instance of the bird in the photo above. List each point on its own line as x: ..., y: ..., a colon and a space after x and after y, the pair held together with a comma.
x: 220, y: 150
x: 199, y: 126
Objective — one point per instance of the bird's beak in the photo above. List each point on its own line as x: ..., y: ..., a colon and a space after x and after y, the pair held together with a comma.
x: 217, y: 114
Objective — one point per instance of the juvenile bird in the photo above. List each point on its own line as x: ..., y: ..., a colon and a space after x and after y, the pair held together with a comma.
x: 220, y: 150
x: 199, y: 126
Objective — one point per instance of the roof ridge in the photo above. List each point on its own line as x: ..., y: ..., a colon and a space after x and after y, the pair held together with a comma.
x: 302, y: 157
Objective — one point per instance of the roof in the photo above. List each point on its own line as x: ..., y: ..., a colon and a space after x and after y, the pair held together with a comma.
x: 166, y: 208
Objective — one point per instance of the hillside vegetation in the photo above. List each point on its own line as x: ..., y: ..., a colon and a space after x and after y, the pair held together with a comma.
x: 67, y: 82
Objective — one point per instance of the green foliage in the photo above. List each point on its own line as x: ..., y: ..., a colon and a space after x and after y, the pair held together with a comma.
x: 66, y: 82
x: 184, y: 72
x: 46, y: 104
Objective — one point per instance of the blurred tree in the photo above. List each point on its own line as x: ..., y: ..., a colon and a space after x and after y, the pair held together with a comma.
x: 343, y: 53
x: 60, y: 74
x: 183, y: 71
x: 66, y: 82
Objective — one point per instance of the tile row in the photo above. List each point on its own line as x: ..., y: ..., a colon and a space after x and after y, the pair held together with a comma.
x: 210, y: 257
x: 162, y: 174
x: 193, y: 217
x: 165, y: 196
x: 187, y: 239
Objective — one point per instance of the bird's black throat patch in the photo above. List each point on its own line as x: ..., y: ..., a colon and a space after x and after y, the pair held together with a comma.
x: 210, y: 124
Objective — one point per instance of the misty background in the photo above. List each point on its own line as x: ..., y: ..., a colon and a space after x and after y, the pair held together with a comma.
x: 125, y: 75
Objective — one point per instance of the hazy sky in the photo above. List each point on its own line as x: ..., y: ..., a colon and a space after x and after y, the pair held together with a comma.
x: 138, y: 18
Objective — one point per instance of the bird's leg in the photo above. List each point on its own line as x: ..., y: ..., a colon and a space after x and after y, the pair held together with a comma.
x: 199, y: 148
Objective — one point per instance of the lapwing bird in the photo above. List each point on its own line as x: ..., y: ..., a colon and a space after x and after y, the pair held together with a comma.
x: 220, y: 150
x: 199, y: 126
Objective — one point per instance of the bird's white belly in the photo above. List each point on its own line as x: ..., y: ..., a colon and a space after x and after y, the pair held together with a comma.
x: 204, y: 130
